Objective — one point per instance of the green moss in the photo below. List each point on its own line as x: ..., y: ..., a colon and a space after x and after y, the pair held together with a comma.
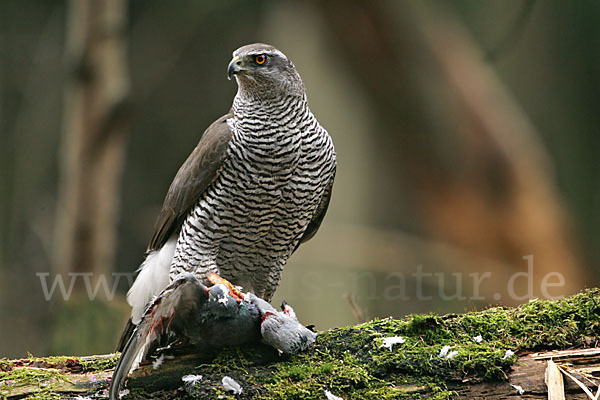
x: 534, y: 326
x: 41, y: 380
x: 99, y: 364
x: 308, y: 375
x: 5, y: 365
x: 351, y: 362
x: 47, y: 377
x: 297, y: 373
x: 68, y: 363
x: 31, y: 376
x: 237, y: 358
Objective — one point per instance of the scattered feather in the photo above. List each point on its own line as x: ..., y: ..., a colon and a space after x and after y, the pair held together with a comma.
x: 158, y: 362
x: 331, y: 396
x: 191, y: 379
x: 389, y: 342
x: 452, y: 354
x: 508, y: 354
x: 444, y: 352
x: 478, y: 339
x: 518, y: 388
x: 123, y: 393
x: 230, y: 385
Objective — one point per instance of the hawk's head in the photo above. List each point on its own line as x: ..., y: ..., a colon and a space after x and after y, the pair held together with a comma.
x: 263, y: 71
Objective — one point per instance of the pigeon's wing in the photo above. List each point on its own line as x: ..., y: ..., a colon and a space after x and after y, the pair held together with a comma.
x: 195, y: 175
x: 315, y: 223
x: 176, y: 304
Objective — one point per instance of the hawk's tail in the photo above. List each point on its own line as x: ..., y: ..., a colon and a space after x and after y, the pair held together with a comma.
x: 125, y: 335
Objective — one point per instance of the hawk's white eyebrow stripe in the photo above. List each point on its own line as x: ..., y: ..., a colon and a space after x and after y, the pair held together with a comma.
x: 268, y: 53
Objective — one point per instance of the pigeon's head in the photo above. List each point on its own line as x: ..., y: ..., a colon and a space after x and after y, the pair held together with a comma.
x: 288, y: 310
x: 262, y: 71
x: 219, y: 293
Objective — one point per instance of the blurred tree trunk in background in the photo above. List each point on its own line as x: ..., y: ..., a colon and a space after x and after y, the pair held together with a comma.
x: 447, y: 125
x: 95, y: 125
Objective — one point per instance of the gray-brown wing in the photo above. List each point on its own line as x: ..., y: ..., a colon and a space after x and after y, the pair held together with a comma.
x: 315, y: 223
x: 195, y: 175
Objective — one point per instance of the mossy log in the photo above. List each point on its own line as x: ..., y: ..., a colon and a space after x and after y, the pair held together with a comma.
x: 492, y: 354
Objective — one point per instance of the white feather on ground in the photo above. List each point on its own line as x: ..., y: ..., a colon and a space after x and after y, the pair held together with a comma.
x: 446, y: 353
x: 158, y: 362
x: 191, y: 379
x: 508, y: 354
x: 518, y: 388
x: 389, y: 342
x: 331, y: 396
x: 230, y: 385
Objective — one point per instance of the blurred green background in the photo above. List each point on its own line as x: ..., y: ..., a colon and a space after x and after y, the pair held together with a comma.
x: 467, y: 133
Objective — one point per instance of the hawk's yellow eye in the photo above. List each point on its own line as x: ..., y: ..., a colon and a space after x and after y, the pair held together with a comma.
x: 260, y: 59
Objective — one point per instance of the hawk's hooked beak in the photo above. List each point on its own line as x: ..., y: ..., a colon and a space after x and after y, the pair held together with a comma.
x: 235, y: 67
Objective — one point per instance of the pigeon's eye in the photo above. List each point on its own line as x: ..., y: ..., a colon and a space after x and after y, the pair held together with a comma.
x: 260, y: 59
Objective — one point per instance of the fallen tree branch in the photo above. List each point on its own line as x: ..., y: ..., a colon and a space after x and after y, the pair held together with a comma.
x: 356, y: 362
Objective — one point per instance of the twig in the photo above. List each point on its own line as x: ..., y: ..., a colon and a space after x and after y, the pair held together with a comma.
x: 580, y: 384
x: 359, y: 314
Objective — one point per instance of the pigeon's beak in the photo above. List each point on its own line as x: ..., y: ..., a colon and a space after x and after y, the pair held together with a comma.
x: 235, y: 67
